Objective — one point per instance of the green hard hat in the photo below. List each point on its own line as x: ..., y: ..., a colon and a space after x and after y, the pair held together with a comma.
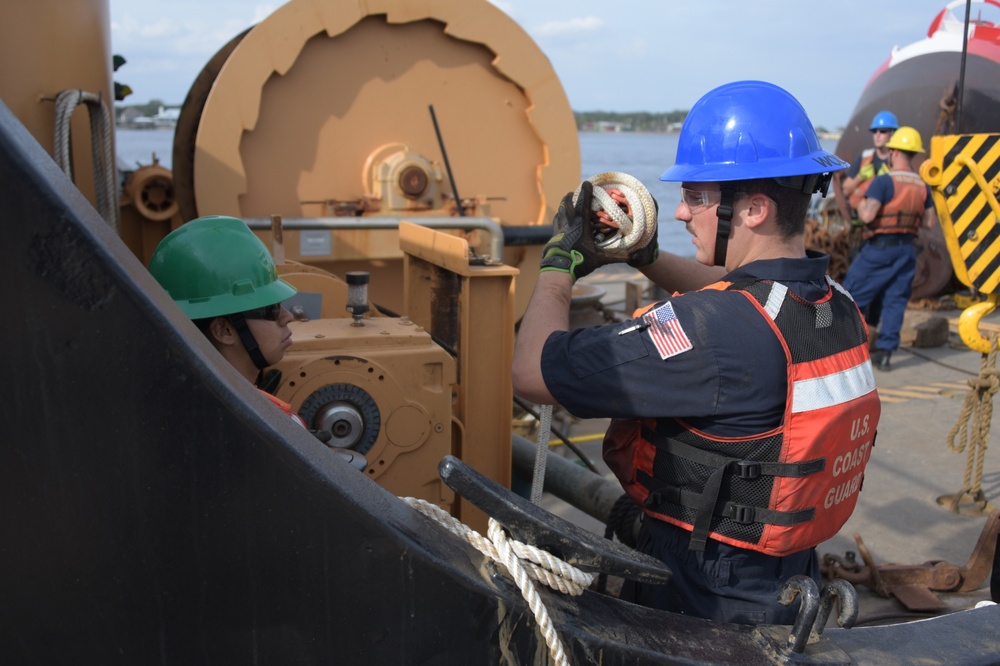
x: 215, y: 266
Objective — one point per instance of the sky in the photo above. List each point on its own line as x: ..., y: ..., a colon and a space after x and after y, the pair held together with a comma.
x: 644, y: 55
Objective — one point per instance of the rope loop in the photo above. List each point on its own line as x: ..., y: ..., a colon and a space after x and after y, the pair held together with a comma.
x: 525, y: 564
x: 102, y: 154
x: 972, y: 430
x: 635, y: 218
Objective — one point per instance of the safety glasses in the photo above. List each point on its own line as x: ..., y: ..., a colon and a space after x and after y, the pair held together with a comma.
x: 271, y: 312
x: 698, y: 199
x: 882, y: 131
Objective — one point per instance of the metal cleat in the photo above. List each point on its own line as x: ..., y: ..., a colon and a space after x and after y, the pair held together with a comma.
x: 533, y: 525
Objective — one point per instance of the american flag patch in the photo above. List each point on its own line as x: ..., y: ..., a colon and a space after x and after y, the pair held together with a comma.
x: 666, y: 332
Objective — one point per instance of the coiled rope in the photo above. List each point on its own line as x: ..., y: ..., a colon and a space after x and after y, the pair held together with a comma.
x: 633, y: 213
x: 525, y: 564
x: 973, y: 428
x: 102, y: 154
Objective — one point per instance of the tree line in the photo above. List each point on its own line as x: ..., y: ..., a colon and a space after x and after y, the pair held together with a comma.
x: 634, y: 121
x: 638, y: 121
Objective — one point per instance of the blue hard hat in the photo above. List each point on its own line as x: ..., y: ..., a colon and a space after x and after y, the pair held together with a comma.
x: 884, y: 120
x: 745, y: 130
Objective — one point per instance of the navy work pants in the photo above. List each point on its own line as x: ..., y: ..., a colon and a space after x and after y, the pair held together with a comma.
x: 884, y: 267
x: 723, y: 583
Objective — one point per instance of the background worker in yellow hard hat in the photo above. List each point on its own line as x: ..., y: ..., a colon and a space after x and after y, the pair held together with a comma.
x: 223, y: 278
x: 895, y: 207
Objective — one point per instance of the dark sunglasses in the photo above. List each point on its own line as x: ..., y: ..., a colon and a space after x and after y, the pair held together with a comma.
x: 270, y: 312
x: 882, y: 131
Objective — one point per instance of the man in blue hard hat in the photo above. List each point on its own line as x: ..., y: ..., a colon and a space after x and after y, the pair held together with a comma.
x: 872, y: 161
x: 731, y: 404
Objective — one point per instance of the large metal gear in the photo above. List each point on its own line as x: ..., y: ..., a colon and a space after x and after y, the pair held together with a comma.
x: 347, y: 412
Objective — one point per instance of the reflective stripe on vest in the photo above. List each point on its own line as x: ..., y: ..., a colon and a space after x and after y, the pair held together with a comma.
x: 780, y: 491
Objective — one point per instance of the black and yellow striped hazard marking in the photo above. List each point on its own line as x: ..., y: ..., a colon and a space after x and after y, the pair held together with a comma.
x: 896, y: 394
x: 963, y: 171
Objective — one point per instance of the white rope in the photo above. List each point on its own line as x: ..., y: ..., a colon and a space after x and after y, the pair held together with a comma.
x: 633, y: 231
x: 525, y: 564
x: 102, y: 154
x: 541, y: 454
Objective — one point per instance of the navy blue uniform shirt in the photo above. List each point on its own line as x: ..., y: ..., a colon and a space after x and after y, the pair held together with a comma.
x: 731, y: 383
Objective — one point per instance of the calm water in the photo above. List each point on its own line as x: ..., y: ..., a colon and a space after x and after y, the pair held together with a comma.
x: 644, y: 156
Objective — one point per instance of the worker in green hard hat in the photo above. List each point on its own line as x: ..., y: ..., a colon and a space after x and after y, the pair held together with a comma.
x: 223, y: 278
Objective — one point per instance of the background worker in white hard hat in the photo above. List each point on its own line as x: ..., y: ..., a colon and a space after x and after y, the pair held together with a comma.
x: 730, y: 403
x: 895, y: 207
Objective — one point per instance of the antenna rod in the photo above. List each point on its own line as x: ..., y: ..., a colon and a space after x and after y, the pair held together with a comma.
x: 447, y: 164
x: 961, y: 76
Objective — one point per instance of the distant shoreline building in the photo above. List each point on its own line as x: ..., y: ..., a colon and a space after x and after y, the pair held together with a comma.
x: 133, y: 118
x: 605, y: 126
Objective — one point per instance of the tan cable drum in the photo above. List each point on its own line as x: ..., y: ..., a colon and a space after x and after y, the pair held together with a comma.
x: 310, y: 96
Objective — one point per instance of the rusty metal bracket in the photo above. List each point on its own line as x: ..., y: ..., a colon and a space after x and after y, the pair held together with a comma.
x: 916, y: 585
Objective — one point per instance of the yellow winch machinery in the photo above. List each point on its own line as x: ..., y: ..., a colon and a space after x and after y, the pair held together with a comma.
x: 963, y: 171
x: 404, y: 391
x: 346, y: 120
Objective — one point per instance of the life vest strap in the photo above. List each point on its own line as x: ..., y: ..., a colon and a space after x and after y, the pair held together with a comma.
x: 744, y: 514
x: 744, y: 469
x: 704, y: 503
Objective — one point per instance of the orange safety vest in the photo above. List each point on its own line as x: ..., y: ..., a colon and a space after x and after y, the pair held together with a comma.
x: 904, y: 213
x: 285, y: 407
x: 780, y: 491
x: 867, y: 157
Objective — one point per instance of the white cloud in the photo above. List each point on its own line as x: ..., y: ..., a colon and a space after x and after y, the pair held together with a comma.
x: 572, y: 26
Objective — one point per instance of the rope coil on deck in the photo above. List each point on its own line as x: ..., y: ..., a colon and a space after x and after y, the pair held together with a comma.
x: 525, y: 563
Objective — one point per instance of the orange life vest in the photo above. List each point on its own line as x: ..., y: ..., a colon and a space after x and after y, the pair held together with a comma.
x: 904, y: 213
x: 867, y: 157
x: 285, y: 407
x: 781, y: 491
